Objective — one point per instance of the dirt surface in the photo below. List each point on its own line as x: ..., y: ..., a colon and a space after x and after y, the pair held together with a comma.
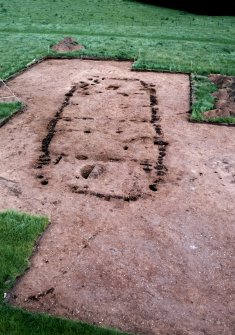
x: 141, y: 201
x: 67, y: 44
x: 225, y: 96
x: 6, y: 95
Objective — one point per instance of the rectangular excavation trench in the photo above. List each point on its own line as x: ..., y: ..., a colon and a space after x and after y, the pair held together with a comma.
x: 109, y: 130
x: 106, y: 161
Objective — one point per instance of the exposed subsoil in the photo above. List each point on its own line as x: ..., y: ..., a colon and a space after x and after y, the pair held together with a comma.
x: 67, y: 44
x: 225, y: 96
x: 141, y: 201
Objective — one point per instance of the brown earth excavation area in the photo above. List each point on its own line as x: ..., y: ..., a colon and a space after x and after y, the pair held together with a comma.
x: 141, y: 201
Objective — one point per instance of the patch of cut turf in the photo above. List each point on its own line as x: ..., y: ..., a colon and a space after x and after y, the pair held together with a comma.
x: 9, y: 108
x: 18, y: 234
x: 203, y: 100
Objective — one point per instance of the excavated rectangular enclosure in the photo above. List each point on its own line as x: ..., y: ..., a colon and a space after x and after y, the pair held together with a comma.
x: 107, y: 135
x: 114, y: 137
x: 131, y: 188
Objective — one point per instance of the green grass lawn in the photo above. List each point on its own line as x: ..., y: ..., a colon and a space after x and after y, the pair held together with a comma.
x: 8, y: 108
x: 155, y: 38
x: 18, y: 233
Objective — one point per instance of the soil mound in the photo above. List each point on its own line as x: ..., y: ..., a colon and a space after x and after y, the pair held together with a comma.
x: 67, y: 44
x: 225, y: 96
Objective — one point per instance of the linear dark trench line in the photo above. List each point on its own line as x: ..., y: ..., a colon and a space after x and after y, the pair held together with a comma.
x: 160, y: 167
x: 44, y: 158
x: 104, y: 196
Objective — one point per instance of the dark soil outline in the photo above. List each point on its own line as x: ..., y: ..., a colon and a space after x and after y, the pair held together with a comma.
x: 44, y: 158
x: 158, y: 140
x: 106, y: 197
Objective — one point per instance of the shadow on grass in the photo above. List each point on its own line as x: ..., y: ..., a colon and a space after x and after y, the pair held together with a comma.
x: 197, y: 7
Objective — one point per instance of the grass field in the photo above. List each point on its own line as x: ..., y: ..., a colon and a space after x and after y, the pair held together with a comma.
x: 155, y: 38
x: 18, y: 233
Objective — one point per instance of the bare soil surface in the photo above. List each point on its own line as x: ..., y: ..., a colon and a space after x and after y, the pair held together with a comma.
x: 225, y: 96
x: 67, y: 44
x: 141, y: 201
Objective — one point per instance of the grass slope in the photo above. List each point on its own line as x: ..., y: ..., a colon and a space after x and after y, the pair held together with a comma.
x: 18, y: 233
x: 157, y: 38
